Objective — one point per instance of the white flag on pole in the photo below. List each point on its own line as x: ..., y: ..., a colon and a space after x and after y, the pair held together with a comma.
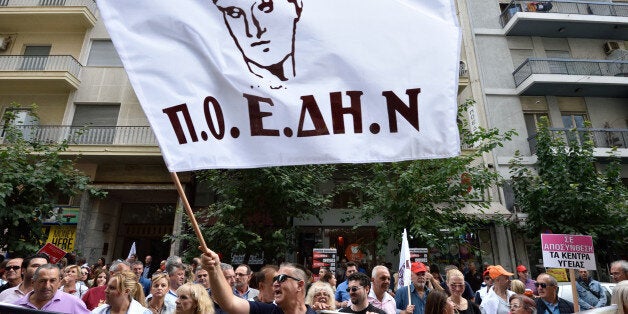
x: 240, y: 84
x: 404, y: 262
x: 132, y: 251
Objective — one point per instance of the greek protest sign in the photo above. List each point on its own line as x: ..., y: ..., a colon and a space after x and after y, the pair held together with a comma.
x: 568, y: 251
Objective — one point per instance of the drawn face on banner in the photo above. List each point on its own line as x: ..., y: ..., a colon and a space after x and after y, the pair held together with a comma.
x: 264, y: 32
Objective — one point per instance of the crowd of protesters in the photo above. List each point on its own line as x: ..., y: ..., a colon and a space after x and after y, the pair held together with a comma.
x: 206, y: 285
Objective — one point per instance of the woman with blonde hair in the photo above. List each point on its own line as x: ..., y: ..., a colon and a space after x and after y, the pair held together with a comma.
x: 69, y: 282
x: 320, y: 296
x: 156, y: 301
x: 124, y: 294
x: 517, y: 286
x: 192, y: 298
x: 456, y: 285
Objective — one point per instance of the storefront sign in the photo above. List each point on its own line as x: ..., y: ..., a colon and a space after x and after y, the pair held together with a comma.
x: 324, y: 258
x: 418, y: 255
x: 568, y: 251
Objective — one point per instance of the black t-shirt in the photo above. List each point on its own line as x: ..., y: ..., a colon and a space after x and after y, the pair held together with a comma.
x: 271, y: 308
x: 369, y: 308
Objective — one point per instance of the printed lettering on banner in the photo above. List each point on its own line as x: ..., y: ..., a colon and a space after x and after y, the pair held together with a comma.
x: 568, y: 251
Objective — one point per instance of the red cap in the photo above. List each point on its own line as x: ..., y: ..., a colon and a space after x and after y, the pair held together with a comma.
x: 485, y: 273
x: 418, y: 267
x: 521, y: 269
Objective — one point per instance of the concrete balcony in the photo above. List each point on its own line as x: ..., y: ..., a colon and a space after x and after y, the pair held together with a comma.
x: 567, y: 19
x: 39, y: 73
x: 47, y: 15
x: 603, y: 140
x: 570, y: 77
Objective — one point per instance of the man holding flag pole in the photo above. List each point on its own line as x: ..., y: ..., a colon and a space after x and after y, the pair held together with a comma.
x: 411, y: 291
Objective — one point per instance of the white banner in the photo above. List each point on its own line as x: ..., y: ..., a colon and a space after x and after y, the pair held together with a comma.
x: 405, y: 269
x: 254, y: 83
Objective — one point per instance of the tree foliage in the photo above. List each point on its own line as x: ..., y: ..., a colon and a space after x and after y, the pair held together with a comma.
x: 254, y: 208
x: 567, y: 194
x: 426, y: 196
x: 33, y: 176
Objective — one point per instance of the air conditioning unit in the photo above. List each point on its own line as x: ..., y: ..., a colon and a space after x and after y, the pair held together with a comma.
x: 610, y: 46
x: 4, y: 42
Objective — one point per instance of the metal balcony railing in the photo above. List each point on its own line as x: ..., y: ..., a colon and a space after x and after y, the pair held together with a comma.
x: 569, y: 67
x: 40, y: 63
x: 89, y: 135
x: 564, y: 7
x: 89, y: 4
x: 602, y: 138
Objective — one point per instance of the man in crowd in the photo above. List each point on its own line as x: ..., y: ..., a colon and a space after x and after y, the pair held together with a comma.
x: 29, y: 266
x: 590, y: 293
x: 96, y: 295
x: 484, y: 289
x: 342, y: 296
x: 418, y: 292
x: 359, y: 288
x: 13, y: 273
x: 201, y: 277
x: 46, y: 295
x: 473, y: 277
x: 176, y: 274
x: 264, y: 279
x: 548, y: 301
x: 523, y: 274
x: 289, y: 286
x: 619, y: 271
x: 148, y: 270
x: 137, y: 268
x: 242, y: 278
x: 497, y: 301
x: 378, y: 296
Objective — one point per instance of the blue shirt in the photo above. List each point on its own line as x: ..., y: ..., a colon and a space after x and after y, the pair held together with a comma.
x: 401, y: 298
x: 341, y: 292
x: 551, y: 308
x: 587, y: 299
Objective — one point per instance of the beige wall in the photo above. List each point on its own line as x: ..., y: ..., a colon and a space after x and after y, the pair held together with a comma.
x: 50, y: 106
x: 62, y: 43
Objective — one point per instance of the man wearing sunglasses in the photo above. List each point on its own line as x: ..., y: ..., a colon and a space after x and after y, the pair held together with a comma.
x: 548, y: 301
x: 358, y: 289
x: 13, y: 272
x: 418, y: 291
x: 288, y: 286
x: 29, y: 265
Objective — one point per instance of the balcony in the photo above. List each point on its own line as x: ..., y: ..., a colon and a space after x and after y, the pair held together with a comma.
x: 47, y: 15
x: 603, y: 139
x: 463, y: 76
x: 39, y: 73
x: 89, y: 135
x: 568, y: 19
x: 570, y: 77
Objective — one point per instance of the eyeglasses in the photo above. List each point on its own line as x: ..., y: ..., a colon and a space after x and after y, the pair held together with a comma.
x: 541, y: 284
x: 283, y: 277
x: 15, y: 268
x: 353, y: 289
x: 515, y: 307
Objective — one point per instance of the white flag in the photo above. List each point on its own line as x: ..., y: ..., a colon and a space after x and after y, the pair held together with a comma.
x: 404, y: 262
x: 132, y: 251
x: 237, y: 84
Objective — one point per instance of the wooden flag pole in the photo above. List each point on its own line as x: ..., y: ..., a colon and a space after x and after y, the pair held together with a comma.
x: 188, y: 210
x: 574, y: 290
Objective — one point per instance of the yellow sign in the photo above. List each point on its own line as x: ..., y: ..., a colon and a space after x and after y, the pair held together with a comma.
x: 559, y: 273
x: 63, y: 237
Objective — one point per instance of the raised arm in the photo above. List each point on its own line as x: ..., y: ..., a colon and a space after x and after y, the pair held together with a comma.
x: 221, y: 290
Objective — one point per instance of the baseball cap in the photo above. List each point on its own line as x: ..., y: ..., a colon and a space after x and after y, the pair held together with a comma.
x: 521, y: 269
x: 498, y: 270
x: 418, y: 267
x: 485, y: 273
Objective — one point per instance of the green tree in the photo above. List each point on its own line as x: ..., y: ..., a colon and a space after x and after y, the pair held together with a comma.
x: 426, y: 196
x: 254, y: 208
x: 33, y: 176
x: 566, y: 194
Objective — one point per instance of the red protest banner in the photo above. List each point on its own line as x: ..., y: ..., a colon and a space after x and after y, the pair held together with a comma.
x: 54, y: 252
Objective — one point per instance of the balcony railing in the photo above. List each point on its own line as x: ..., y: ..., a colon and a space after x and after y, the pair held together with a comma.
x: 602, y: 138
x: 569, y: 67
x: 564, y: 7
x: 89, y: 135
x: 40, y: 63
x: 90, y: 4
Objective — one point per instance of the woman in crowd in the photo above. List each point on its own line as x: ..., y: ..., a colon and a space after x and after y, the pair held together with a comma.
x: 192, y: 298
x: 124, y: 295
x: 320, y: 296
x: 157, y: 300
x: 517, y: 286
x: 455, y: 282
x: 70, y: 284
x: 101, y: 277
x: 330, y: 278
x: 520, y: 304
x: 437, y: 303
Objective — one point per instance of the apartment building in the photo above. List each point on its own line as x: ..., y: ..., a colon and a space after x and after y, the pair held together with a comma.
x: 57, y: 54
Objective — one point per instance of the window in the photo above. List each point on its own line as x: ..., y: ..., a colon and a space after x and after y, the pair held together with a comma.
x: 532, y: 119
x: 35, y: 58
x: 95, y: 124
x: 574, y: 120
x: 103, y: 53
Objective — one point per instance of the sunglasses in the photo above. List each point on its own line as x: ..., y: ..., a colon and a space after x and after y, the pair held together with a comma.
x: 353, y: 289
x: 15, y: 268
x: 542, y: 285
x: 283, y: 277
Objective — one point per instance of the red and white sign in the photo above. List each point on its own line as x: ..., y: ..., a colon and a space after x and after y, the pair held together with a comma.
x: 241, y: 84
x: 54, y: 252
x: 568, y: 251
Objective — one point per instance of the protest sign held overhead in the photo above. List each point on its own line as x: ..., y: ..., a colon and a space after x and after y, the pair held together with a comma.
x: 238, y: 84
x: 568, y: 251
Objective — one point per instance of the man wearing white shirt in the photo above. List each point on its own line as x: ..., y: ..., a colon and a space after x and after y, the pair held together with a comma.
x: 378, y: 296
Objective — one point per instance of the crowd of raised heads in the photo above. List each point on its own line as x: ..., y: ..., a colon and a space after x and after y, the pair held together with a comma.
x: 173, y: 286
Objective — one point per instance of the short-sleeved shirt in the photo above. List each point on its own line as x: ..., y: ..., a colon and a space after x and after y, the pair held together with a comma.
x: 60, y: 302
x: 270, y: 308
x: 369, y: 308
x: 12, y: 294
x: 401, y: 298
